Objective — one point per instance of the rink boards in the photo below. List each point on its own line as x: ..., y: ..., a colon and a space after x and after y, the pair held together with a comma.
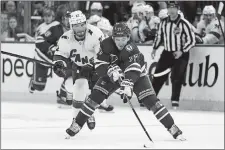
x: 202, y: 90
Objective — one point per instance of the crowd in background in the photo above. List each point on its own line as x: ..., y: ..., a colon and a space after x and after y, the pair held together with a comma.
x: 13, y: 14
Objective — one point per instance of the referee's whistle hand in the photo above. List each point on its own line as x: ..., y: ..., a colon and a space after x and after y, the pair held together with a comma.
x: 153, y: 53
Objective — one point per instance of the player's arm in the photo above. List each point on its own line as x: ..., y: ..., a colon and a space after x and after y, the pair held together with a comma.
x: 213, y: 36
x: 45, y: 44
x: 189, y: 35
x: 102, y: 61
x: 61, y: 56
x: 132, y: 64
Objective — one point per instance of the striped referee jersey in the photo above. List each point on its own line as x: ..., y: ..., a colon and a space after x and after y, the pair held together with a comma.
x: 177, y: 35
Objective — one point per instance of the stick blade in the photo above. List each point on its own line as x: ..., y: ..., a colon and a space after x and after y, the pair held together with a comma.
x: 220, y: 9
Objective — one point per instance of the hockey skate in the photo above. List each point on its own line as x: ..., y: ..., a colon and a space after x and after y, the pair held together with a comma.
x: 62, y: 101
x: 104, y: 107
x: 176, y: 133
x: 30, y: 87
x: 175, y: 105
x: 73, y: 129
x: 108, y: 108
x: 91, y: 122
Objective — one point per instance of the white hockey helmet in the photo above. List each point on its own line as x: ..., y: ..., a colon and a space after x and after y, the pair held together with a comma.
x: 209, y: 9
x: 148, y: 9
x: 94, y: 19
x: 96, y: 5
x: 104, y: 25
x: 77, y: 17
x: 163, y: 13
x: 137, y: 7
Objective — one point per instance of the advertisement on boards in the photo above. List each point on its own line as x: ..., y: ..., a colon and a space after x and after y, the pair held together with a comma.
x: 204, y: 78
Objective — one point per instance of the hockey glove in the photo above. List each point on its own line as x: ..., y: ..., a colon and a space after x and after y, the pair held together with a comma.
x: 114, y: 72
x: 52, y: 49
x: 198, y: 39
x: 126, y: 90
x: 60, y: 68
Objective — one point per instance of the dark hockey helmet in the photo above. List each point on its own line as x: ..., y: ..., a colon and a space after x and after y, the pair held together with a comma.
x: 62, y: 12
x: 172, y: 4
x: 121, y: 29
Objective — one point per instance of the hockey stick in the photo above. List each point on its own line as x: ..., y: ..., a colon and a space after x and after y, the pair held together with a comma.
x: 143, y: 127
x: 27, y: 58
x: 220, y: 8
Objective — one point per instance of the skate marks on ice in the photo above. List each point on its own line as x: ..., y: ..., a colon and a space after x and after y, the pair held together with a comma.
x: 43, y: 126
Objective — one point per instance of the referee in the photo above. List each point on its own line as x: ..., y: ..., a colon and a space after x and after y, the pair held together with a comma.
x: 178, y: 38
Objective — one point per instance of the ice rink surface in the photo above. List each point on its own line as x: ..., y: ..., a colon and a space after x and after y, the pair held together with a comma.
x: 27, y: 125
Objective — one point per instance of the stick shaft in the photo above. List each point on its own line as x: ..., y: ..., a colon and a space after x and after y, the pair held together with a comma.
x: 139, y: 120
x: 27, y: 58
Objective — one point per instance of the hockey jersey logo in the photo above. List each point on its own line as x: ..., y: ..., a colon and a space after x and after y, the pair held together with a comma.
x: 113, y: 58
x: 129, y: 48
x: 77, y: 58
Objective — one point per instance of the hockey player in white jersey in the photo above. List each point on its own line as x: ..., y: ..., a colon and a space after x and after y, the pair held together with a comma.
x: 135, y: 20
x: 149, y: 25
x: 105, y: 27
x: 208, y: 28
x: 79, y: 45
x: 102, y: 24
x: 97, y: 9
x: 163, y: 13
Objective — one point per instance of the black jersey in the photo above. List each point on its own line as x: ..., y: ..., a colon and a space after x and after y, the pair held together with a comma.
x: 46, y: 37
x: 129, y: 59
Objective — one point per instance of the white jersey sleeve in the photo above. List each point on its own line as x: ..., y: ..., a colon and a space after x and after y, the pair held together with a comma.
x: 99, y: 37
x: 213, y: 33
x: 64, y: 45
x: 141, y: 27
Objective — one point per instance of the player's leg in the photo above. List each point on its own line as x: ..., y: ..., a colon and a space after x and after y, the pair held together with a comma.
x: 103, y: 106
x: 177, y: 78
x: 162, y: 70
x: 145, y: 93
x: 65, y: 94
x: 103, y: 88
x: 39, y: 77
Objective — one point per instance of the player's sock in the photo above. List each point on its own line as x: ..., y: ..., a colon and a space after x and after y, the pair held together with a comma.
x: 86, y: 111
x: 162, y: 114
x: 76, y: 107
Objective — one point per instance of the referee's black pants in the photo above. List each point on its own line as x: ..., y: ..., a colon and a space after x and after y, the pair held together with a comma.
x: 166, y: 64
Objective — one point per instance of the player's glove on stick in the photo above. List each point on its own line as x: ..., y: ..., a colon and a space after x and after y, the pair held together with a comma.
x: 126, y: 89
x: 114, y: 72
x: 60, y: 68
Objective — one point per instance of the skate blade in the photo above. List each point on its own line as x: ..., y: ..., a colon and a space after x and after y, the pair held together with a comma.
x: 181, y: 138
x: 62, y: 106
x: 67, y: 137
x: 104, y: 111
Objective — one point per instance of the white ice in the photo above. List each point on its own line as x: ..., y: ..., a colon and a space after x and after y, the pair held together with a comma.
x: 40, y: 126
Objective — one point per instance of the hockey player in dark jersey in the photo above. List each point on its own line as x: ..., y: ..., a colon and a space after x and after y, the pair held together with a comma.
x: 46, y: 38
x: 120, y: 64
